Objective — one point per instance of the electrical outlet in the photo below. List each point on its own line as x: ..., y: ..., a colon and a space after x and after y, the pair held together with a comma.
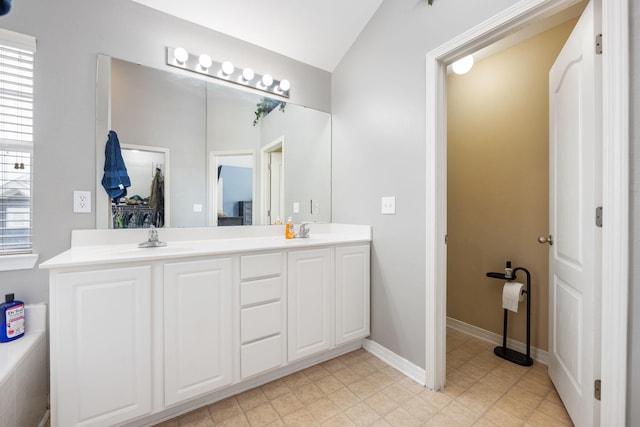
x: 315, y: 207
x: 82, y: 201
x: 388, y: 206
x: 296, y: 207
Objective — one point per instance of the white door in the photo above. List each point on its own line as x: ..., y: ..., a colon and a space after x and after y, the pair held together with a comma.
x: 275, y: 190
x: 575, y: 192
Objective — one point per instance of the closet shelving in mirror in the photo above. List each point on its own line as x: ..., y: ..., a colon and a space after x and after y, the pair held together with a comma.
x: 203, y: 64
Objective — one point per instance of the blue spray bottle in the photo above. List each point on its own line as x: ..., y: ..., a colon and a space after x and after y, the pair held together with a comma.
x: 11, y: 319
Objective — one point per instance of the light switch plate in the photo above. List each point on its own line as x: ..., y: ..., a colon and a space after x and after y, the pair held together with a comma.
x: 296, y: 207
x: 82, y: 201
x: 197, y: 207
x: 388, y: 206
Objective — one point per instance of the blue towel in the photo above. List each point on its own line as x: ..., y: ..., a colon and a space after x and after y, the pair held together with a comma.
x: 115, y: 179
x: 5, y: 6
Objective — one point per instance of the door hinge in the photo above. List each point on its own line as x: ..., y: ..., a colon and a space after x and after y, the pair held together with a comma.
x: 599, y: 44
x: 599, y: 216
x: 596, y: 389
x: 446, y: 238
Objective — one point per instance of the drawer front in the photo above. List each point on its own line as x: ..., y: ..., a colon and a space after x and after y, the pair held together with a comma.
x: 261, y: 265
x: 261, y: 290
x: 261, y: 321
x: 260, y: 356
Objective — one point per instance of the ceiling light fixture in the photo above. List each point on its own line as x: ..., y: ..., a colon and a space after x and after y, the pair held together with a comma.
x: 205, y: 61
x: 248, y: 74
x: 228, y: 68
x: 181, y: 55
x: 462, y: 66
x: 204, y: 65
x: 284, y: 85
x: 267, y: 80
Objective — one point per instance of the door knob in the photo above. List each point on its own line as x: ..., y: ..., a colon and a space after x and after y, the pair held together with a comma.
x: 545, y: 239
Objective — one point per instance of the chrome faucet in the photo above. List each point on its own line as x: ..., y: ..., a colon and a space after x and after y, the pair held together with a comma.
x: 303, y: 231
x: 153, y: 241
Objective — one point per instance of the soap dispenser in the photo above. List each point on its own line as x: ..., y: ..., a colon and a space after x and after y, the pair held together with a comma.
x: 12, y: 319
x: 288, y: 231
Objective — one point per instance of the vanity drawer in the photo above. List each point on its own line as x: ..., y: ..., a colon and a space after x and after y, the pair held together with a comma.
x: 261, y: 290
x: 261, y: 321
x: 260, y: 356
x: 261, y: 265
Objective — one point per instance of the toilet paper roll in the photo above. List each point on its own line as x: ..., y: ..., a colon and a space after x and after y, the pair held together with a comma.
x: 512, y: 294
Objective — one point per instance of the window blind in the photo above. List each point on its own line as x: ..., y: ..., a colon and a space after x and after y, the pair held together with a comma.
x: 16, y: 141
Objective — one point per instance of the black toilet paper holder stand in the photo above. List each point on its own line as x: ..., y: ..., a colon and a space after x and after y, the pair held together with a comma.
x: 502, y: 351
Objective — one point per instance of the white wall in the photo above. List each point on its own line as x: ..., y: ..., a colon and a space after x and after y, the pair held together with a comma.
x: 379, y: 137
x: 70, y: 33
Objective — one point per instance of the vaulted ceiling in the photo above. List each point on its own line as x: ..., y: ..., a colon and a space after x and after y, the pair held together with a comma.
x: 324, y: 30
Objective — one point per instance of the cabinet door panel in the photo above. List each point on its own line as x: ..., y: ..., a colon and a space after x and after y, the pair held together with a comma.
x: 103, y: 337
x: 309, y: 303
x: 352, y: 293
x: 197, y: 322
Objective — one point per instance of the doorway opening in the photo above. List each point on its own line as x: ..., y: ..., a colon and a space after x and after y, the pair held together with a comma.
x: 615, y: 185
x: 272, y: 182
x: 148, y: 201
x: 232, y: 178
x: 498, y: 185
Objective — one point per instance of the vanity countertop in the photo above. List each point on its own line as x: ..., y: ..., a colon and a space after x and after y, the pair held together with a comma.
x: 95, y: 247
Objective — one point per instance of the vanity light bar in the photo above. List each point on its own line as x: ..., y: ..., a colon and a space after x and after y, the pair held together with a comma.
x: 203, y: 64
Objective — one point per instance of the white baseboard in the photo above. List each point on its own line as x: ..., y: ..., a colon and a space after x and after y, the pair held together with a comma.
x: 536, y: 354
x: 408, y: 368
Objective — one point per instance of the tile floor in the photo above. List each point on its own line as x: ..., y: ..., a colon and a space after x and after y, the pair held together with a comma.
x: 358, y: 389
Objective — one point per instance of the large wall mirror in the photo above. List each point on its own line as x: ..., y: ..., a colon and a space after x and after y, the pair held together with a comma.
x: 226, y: 168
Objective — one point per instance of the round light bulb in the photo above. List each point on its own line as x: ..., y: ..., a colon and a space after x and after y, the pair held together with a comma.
x: 285, y: 85
x: 267, y: 80
x: 248, y: 74
x: 462, y: 66
x: 205, y: 61
x: 228, y: 68
x: 181, y: 55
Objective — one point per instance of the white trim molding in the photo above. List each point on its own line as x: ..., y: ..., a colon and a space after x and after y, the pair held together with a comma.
x: 615, y: 241
x: 399, y: 363
x: 615, y: 229
x: 18, y: 262
x: 536, y: 354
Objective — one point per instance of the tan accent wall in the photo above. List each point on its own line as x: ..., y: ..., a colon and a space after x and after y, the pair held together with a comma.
x: 498, y: 183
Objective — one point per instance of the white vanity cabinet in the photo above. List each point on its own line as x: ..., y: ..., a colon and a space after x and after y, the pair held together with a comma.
x: 137, y: 335
x: 197, y: 328
x: 310, y: 302
x: 101, y: 356
x: 352, y: 298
